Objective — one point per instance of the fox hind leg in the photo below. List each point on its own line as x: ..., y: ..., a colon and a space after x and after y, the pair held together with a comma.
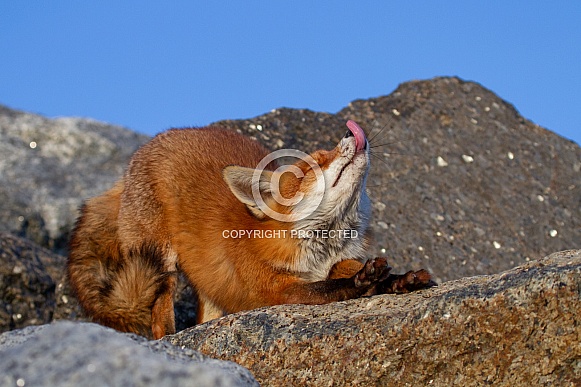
x: 128, y: 292
x: 207, y: 310
x: 162, y: 312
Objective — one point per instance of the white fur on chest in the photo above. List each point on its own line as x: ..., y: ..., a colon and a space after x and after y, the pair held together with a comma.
x: 324, y: 244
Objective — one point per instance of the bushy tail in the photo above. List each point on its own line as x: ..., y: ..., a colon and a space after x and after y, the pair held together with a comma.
x: 114, y: 290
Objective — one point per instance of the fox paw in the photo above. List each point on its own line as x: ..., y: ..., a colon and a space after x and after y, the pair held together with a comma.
x: 408, y: 282
x: 374, y: 271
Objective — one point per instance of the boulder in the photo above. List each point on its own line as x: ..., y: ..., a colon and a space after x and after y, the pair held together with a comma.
x: 27, y: 291
x: 517, y: 328
x: 49, y: 166
x: 33, y: 286
x: 84, y: 354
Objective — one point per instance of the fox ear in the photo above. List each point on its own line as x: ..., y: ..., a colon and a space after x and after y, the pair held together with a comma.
x: 240, y: 181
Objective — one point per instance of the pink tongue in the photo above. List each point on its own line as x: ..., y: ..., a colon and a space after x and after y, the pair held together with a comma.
x: 358, y: 133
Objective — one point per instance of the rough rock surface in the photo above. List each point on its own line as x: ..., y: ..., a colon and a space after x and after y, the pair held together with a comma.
x: 84, y: 354
x: 517, y: 328
x: 33, y: 289
x: 27, y: 291
x: 49, y: 166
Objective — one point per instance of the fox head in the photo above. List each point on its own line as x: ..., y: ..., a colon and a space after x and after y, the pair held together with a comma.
x: 324, y: 189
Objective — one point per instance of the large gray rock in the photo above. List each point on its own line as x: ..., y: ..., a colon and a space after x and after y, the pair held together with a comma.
x: 33, y: 287
x: 49, y: 166
x: 27, y: 291
x: 84, y: 354
x: 517, y: 328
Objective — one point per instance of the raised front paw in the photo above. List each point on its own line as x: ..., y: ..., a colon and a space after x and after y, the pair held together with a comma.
x: 408, y: 282
x: 374, y: 271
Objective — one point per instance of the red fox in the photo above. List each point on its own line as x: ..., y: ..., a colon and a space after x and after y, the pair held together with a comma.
x: 245, y: 237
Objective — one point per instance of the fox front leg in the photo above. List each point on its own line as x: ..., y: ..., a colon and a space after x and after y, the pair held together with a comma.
x: 393, y: 283
x: 338, y: 289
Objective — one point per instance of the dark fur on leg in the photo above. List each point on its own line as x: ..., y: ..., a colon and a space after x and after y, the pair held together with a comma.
x: 391, y: 283
x: 405, y: 283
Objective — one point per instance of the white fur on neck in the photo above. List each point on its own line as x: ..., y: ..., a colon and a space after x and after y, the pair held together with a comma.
x: 318, y: 254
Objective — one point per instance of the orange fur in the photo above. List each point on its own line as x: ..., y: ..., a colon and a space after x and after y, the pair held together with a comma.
x: 170, y: 211
x: 345, y: 269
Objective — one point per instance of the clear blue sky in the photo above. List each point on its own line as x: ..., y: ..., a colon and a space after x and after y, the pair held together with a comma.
x: 150, y: 65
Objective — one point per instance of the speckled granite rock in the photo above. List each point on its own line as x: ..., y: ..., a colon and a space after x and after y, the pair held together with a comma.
x: 84, y: 354
x: 33, y: 289
x: 49, y: 166
x: 27, y: 291
x: 517, y: 328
